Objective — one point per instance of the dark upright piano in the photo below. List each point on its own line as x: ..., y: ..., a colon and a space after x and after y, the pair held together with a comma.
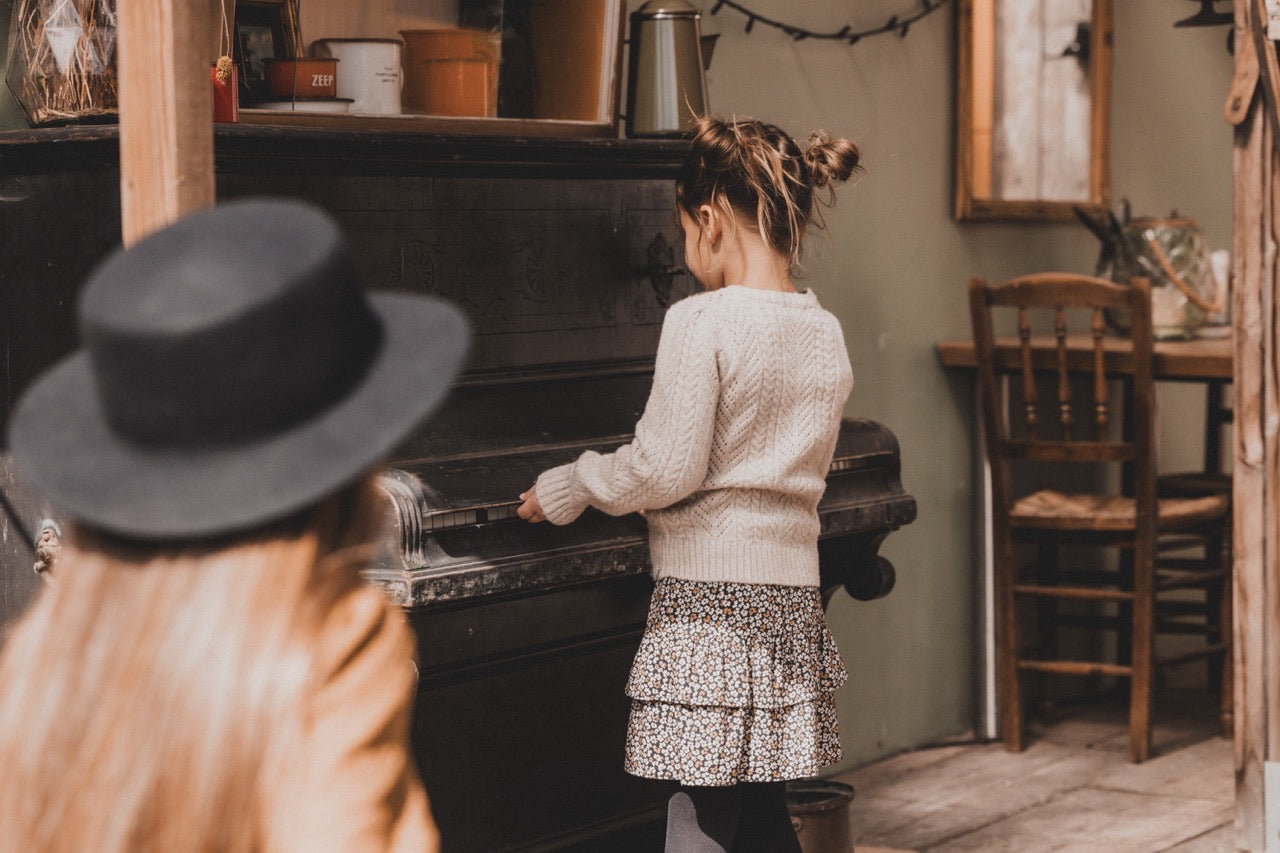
x: 565, y: 254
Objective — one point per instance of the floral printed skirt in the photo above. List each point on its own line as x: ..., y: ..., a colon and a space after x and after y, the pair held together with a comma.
x: 733, y: 682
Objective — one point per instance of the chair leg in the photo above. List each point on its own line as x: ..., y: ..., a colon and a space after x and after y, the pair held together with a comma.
x: 1215, y: 632
x: 1227, y: 631
x: 1141, y: 678
x: 1124, y: 609
x: 1011, y: 715
x: 1044, y: 699
x: 1008, y: 681
x: 1227, y: 694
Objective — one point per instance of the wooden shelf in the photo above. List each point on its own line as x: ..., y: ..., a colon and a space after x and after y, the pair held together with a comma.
x: 408, y: 123
x: 407, y: 150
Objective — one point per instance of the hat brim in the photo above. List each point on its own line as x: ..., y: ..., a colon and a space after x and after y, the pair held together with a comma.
x: 62, y: 445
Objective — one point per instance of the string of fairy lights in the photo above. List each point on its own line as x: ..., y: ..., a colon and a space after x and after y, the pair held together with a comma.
x: 900, y: 24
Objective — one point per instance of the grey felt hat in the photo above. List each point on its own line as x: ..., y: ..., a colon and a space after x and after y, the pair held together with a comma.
x: 232, y: 371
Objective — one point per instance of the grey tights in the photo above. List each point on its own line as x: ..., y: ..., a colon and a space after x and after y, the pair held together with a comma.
x: 742, y: 818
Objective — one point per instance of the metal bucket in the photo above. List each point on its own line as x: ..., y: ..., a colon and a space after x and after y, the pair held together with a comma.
x: 820, y: 813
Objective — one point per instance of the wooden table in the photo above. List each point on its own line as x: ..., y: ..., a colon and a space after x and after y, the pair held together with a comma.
x: 1196, y: 360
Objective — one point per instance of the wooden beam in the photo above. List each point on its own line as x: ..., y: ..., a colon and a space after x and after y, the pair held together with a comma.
x: 166, y: 112
x: 1256, y: 459
x: 1269, y: 68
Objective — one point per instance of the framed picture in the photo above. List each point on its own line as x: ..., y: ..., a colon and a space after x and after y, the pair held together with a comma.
x: 264, y: 29
x: 1033, y: 94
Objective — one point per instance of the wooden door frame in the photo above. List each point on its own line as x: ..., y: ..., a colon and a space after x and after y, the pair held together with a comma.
x: 1252, y: 107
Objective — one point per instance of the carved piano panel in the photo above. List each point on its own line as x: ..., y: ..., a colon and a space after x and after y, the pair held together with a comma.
x: 550, y: 272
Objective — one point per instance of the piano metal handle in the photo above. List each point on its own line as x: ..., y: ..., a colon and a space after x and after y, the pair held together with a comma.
x: 662, y: 269
x: 420, y: 511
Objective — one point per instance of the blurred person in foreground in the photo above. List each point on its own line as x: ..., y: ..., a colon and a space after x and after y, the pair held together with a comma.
x: 207, y: 669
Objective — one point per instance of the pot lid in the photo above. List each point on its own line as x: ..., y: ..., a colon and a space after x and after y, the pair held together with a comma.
x: 352, y: 40
x: 667, y: 9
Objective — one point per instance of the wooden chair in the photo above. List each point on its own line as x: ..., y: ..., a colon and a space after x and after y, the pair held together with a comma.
x: 1202, y: 616
x: 1112, y: 528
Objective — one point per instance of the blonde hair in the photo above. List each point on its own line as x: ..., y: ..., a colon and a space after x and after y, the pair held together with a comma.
x: 758, y: 170
x: 141, y: 695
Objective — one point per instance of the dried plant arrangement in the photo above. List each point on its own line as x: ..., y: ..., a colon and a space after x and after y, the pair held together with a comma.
x: 62, y: 64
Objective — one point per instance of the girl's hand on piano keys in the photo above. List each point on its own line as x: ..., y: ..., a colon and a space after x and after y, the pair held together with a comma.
x: 530, y: 510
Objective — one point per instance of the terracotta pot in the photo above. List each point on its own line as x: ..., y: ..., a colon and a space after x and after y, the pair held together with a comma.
x: 451, y: 72
x: 455, y: 87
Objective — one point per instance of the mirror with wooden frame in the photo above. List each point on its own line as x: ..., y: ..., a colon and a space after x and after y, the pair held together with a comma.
x: 1032, y: 105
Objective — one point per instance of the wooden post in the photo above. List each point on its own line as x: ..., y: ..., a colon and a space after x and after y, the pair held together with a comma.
x: 1256, y: 393
x: 166, y: 112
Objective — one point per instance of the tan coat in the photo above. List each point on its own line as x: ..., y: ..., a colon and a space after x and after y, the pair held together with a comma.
x: 347, y: 780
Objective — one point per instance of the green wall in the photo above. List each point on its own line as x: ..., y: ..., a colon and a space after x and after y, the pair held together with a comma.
x: 893, y: 266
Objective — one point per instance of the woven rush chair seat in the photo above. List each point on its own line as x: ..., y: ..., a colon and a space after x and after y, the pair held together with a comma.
x: 1053, y: 510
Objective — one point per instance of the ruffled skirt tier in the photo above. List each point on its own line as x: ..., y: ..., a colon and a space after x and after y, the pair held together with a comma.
x: 733, y: 683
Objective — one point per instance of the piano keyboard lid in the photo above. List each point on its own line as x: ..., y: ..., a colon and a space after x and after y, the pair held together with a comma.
x: 468, y: 490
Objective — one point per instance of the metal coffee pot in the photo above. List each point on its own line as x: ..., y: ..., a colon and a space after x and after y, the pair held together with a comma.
x: 667, y: 85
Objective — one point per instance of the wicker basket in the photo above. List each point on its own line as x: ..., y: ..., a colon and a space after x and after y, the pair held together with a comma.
x: 62, y: 60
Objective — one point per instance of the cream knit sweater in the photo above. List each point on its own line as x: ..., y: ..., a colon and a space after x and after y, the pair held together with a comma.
x: 730, y: 457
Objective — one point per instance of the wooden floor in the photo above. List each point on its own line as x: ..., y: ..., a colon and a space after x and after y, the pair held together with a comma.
x: 1073, y: 789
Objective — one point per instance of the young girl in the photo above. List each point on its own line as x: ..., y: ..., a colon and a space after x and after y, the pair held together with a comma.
x: 207, y: 670
x: 732, y: 686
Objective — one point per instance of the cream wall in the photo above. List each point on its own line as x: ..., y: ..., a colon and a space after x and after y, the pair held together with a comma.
x: 893, y: 266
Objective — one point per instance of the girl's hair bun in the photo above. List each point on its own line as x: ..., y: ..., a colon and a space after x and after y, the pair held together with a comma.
x: 717, y: 141
x: 755, y: 168
x: 830, y: 160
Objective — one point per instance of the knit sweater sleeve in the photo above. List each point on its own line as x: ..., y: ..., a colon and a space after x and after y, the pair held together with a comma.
x: 667, y: 460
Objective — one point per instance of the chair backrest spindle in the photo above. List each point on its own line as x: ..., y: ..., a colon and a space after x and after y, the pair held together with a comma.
x: 1030, y: 403
x: 1101, y: 403
x: 1064, y: 378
